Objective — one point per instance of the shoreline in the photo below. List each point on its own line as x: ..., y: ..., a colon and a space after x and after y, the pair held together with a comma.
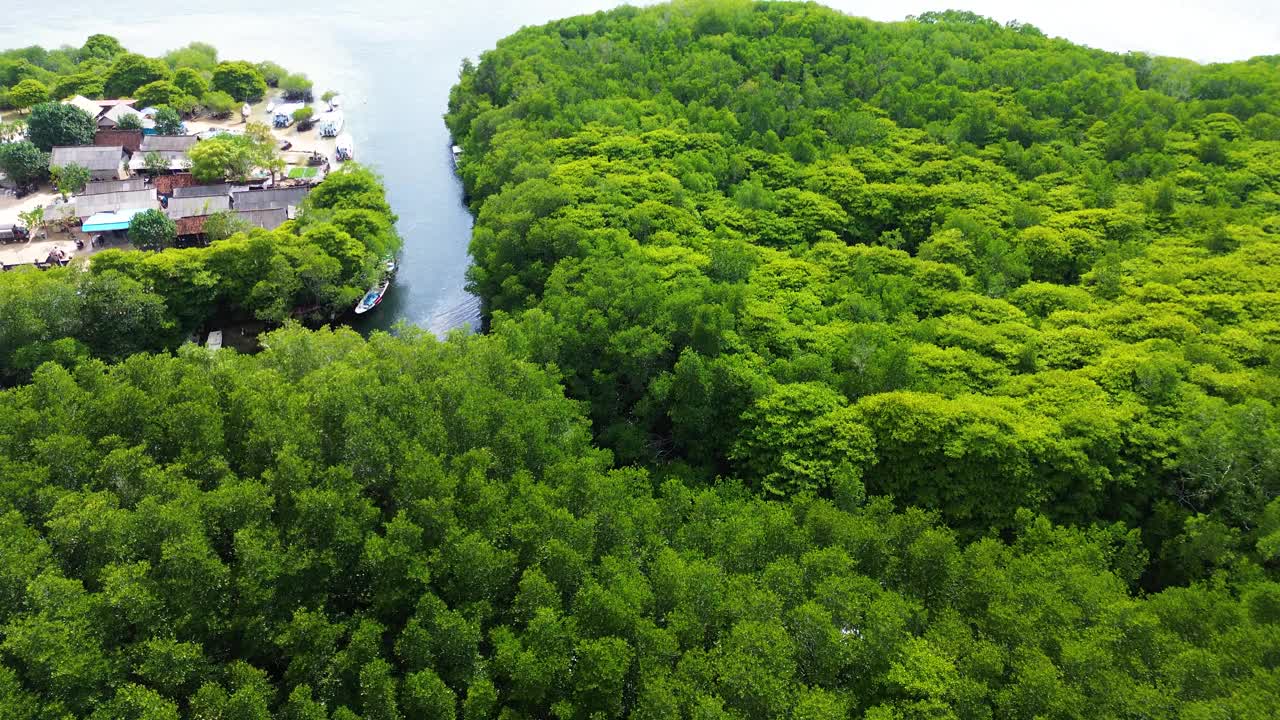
x: 33, y: 251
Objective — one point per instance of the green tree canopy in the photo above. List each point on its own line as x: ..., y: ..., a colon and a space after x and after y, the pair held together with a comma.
x: 240, y: 80
x: 70, y: 179
x: 129, y: 72
x: 23, y: 162
x: 51, y: 124
x: 27, y: 93
x: 152, y: 230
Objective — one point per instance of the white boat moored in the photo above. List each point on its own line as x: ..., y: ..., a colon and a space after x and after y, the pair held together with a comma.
x: 345, y: 147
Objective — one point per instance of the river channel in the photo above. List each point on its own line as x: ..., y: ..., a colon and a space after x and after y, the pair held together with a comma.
x: 394, y: 63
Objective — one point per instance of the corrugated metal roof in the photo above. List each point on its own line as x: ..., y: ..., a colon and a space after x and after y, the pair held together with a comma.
x: 104, y: 221
x: 181, y: 207
x: 265, y: 219
x: 172, y: 143
x: 114, y: 114
x: 267, y: 199
x: 168, y: 184
x: 131, y: 140
x: 90, y: 156
x: 108, y: 186
x: 87, y: 205
x: 191, y: 225
x: 202, y: 190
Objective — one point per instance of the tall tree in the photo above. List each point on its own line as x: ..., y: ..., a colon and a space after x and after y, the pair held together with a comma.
x: 53, y: 124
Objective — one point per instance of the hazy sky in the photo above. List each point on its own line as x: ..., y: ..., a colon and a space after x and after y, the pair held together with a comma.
x: 1202, y: 30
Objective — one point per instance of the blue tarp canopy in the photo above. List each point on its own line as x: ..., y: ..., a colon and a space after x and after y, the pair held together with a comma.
x: 104, y: 221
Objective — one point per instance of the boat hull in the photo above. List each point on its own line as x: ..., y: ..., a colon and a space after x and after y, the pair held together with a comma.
x: 373, y: 298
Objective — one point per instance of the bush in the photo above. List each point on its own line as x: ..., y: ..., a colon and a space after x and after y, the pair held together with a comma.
x: 130, y: 72
x: 271, y: 73
x: 132, y: 121
x: 168, y: 121
x: 218, y: 103
x: 296, y: 87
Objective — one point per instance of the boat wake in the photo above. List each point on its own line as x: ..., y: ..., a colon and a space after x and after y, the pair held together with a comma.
x: 463, y: 313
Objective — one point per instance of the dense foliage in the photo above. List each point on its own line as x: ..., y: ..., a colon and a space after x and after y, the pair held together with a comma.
x: 183, y: 79
x: 23, y: 163
x: 412, y: 529
x: 152, y: 230
x: 961, y: 264
x: 311, y: 267
x: 235, y: 157
x: 53, y: 124
x: 935, y: 362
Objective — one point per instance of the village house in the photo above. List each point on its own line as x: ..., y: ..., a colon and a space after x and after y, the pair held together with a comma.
x: 205, y: 190
x: 184, y: 207
x: 84, y: 206
x: 173, y: 148
x: 269, y: 219
x: 130, y: 140
x: 269, y: 199
x: 110, y: 119
x: 109, y: 186
x: 92, y: 108
x: 103, y: 163
x: 168, y: 143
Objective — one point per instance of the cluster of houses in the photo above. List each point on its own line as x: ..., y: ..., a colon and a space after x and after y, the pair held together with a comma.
x: 108, y: 113
x: 125, y: 179
x: 109, y: 206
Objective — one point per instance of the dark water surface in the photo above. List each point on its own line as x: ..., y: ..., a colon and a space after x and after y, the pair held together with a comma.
x: 394, y: 63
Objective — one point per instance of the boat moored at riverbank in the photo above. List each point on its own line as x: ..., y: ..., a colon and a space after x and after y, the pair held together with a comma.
x: 345, y: 148
x: 373, y: 298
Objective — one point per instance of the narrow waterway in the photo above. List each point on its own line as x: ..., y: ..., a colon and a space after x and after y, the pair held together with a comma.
x: 395, y: 60
x: 394, y: 63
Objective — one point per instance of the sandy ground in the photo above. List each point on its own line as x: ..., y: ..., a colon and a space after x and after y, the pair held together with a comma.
x: 304, y: 143
x: 10, y: 206
x: 38, y: 250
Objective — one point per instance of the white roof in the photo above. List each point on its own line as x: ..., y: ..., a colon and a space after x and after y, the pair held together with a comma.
x: 119, y: 111
x: 93, y: 107
x: 118, y: 216
x: 177, y: 160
